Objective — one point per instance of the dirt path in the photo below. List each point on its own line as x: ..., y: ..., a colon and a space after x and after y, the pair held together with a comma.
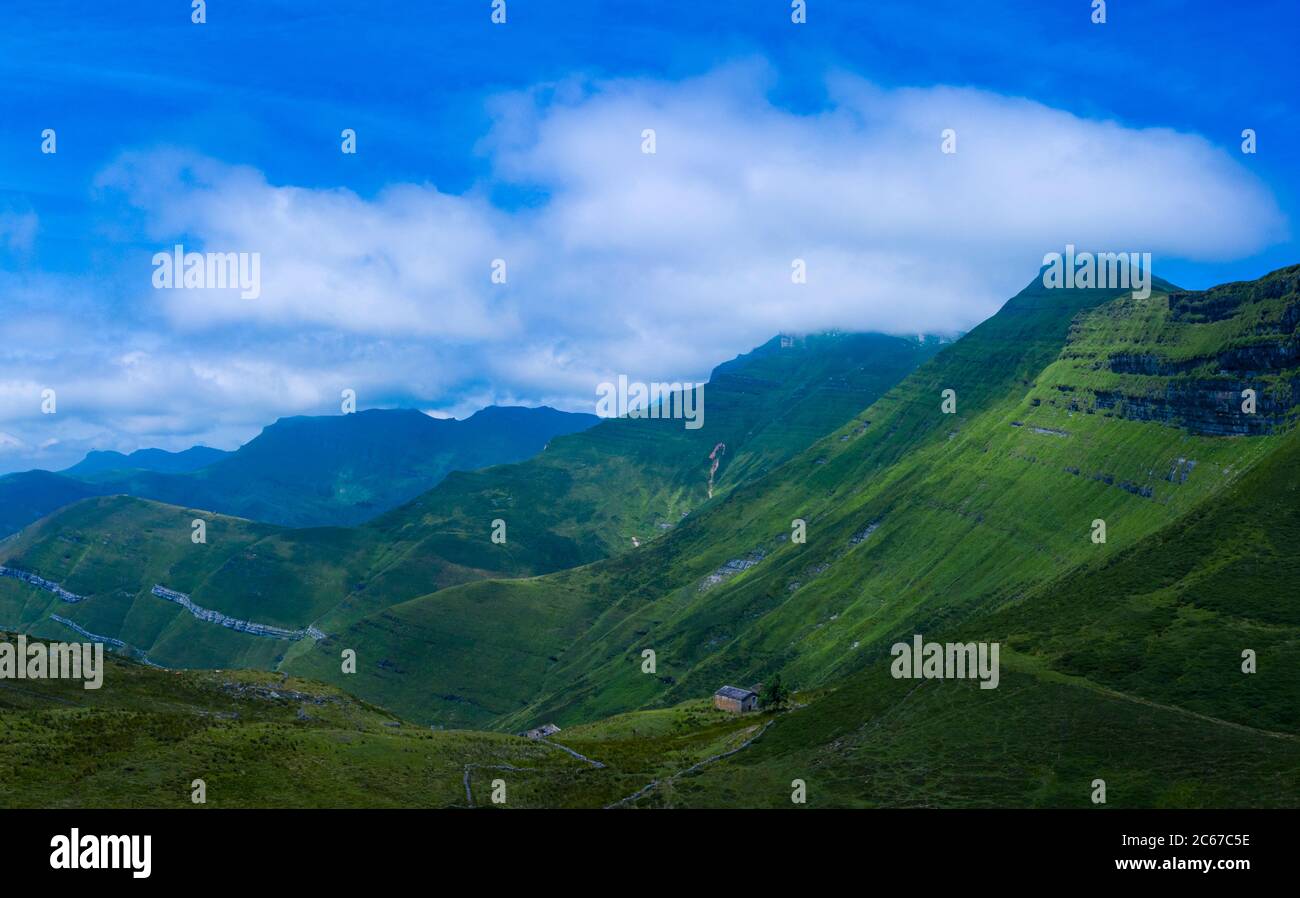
x: 1052, y: 676
x: 653, y: 784
x: 1205, y: 717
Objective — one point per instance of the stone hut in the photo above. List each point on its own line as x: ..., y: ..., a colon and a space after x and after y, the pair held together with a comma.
x: 541, y: 732
x: 735, y: 700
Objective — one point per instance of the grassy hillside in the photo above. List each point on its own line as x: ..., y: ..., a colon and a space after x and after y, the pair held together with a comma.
x: 634, y: 479
x: 1169, y: 618
x: 585, y: 496
x: 1128, y: 669
x: 916, y: 518
x: 114, y: 550
x: 985, y: 504
x: 1035, y: 741
x: 264, y: 740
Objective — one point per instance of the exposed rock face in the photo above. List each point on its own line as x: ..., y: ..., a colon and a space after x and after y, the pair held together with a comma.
x: 41, y: 583
x: 862, y: 535
x: 1225, y: 301
x: 1137, y: 489
x: 277, y: 694
x: 1181, y: 470
x: 1254, y: 359
x: 715, y: 457
x: 1246, y: 336
x: 1148, y: 363
x: 1261, y: 358
x: 118, y: 644
x: 1207, y: 407
x: 243, y: 626
x: 732, y: 568
x: 93, y: 637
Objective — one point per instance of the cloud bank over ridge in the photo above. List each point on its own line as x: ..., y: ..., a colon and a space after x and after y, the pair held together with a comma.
x: 655, y: 265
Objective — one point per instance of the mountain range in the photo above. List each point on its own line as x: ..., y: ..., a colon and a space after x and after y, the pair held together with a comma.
x: 589, y: 495
x: 1104, y: 486
x: 300, y: 471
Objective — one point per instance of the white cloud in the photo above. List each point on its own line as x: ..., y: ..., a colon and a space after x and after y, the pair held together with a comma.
x: 658, y: 266
x: 409, y: 261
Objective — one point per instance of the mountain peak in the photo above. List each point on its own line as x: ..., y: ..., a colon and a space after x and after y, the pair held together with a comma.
x: 99, y: 461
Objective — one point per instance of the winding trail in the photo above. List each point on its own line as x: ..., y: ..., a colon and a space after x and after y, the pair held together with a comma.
x: 696, y: 766
x: 1052, y: 676
x: 1136, y: 699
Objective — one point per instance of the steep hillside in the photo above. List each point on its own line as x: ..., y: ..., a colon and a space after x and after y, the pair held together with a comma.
x: 264, y: 740
x: 112, y: 551
x: 993, y: 500
x: 915, y: 519
x: 1169, y: 619
x: 572, y: 504
x: 1127, y: 669
x: 465, y: 664
x: 629, y: 480
x: 1035, y: 741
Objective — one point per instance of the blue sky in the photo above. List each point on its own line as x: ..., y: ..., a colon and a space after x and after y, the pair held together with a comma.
x: 477, y: 141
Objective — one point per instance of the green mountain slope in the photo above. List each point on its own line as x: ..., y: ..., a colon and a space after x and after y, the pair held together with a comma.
x: 1169, y: 618
x: 629, y: 479
x: 345, y: 469
x: 30, y: 495
x: 1128, y: 669
x: 915, y: 518
x: 572, y: 504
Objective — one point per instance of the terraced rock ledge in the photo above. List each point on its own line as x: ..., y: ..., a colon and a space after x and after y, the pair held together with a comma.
x: 233, y: 623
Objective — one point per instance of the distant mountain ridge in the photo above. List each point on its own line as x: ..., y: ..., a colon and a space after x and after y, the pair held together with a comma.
x: 300, y: 471
x: 590, y: 495
x: 160, y: 460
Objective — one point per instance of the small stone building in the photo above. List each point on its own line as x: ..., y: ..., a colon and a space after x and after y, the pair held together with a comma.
x: 541, y: 732
x: 735, y: 700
